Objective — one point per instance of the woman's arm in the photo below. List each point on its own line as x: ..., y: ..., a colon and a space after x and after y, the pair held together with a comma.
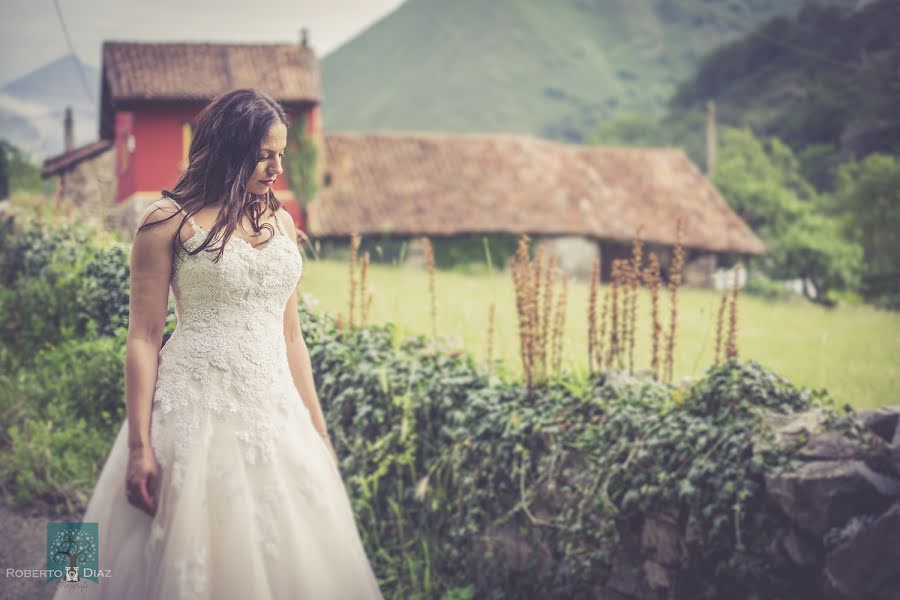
x: 298, y: 354
x: 151, y: 265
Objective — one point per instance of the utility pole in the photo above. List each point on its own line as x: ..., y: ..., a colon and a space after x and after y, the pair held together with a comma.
x: 711, y: 138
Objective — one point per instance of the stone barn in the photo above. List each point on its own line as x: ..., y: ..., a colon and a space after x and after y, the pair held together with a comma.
x: 579, y: 200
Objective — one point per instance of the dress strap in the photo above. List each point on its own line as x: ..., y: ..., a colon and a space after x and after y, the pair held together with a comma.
x: 278, y: 222
x: 190, y: 218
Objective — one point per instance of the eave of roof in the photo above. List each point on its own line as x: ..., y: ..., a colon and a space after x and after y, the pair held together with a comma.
x: 71, y: 158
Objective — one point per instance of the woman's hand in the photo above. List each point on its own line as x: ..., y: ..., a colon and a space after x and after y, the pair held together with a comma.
x: 142, y: 480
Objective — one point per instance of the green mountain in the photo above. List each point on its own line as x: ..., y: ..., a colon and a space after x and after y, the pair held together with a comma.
x: 553, y: 69
x: 825, y: 82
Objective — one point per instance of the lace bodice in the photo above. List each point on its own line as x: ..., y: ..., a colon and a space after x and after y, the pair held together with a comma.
x: 227, y: 358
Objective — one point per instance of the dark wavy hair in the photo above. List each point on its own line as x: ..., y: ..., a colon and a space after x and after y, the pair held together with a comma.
x: 224, y: 152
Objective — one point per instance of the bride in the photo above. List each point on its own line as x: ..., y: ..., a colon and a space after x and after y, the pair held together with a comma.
x: 222, y: 482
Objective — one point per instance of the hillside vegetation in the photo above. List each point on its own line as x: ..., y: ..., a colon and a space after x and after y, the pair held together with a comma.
x: 825, y: 83
x: 549, y: 69
x: 808, y: 142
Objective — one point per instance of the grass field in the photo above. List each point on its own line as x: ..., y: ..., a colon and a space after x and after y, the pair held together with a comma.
x: 851, y: 351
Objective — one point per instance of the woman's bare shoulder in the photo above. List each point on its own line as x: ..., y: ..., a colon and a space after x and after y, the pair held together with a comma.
x: 159, y: 222
x: 157, y: 212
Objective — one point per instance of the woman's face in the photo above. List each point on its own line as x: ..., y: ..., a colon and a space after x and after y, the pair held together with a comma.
x: 268, y: 165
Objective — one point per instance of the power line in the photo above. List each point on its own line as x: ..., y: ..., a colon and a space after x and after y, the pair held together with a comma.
x: 806, y: 51
x: 83, y: 77
x: 818, y: 56
x: 755, y: 31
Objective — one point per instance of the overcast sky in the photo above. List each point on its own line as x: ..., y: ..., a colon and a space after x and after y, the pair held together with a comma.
x: 31, y: 34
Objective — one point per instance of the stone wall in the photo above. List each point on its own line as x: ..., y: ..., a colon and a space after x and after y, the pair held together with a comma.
x: 87, y: 191
x: 124, y: 216
x: 575, y: 254
x: 699, y: 269
x: 843, y: 504
x: 841, y: 507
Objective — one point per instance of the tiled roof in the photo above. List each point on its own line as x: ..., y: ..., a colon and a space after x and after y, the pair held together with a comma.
x: 418, y: 183
x: 184, y: 70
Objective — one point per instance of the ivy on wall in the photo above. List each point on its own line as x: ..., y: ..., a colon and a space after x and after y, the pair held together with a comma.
x: 301, y: 163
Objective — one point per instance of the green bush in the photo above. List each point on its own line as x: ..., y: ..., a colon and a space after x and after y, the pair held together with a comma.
x: 54, y: 461
x: 59, y: 419
x: 39, y: 313
x: 84, y: 378
x: 440, y: 460
x: 103, y: 295
x: 64, y: 296
x: 759, y: 284
x: 57, y: 283
x: 29, y: 249
x: 466, y: 252
x: 14, y: 405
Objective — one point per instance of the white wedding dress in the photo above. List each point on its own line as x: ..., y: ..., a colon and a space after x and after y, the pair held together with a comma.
x: 251, y: 504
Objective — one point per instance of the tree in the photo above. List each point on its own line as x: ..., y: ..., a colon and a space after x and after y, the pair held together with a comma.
x: 868, y: 198
x: 22, y: 174
x: 628, y: 129
x: 762, y: 182
x: 813, y: 248
x: 682, y: 129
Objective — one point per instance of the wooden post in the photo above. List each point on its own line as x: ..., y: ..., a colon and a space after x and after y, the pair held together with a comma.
x: 711, y: 141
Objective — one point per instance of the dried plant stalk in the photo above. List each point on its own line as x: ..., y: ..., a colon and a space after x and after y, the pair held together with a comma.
x: 652, y: 280
x: 546, y: 337
x: 535, y: 301
x: 592, y: 315
x: 522, y: 281
x: 674, y: 284
x: 720, y: 318
x: 355, y: 240
x: 429, y: 265
x: 559, y: 323
x: 614, y: 316
x: 601, y: 335
x: 624, y: 315
x: 628, y: 311
x: 512, y: 265
x: 363, y: 293
x: 635, y: 279
x: 731, y: 349
x: 531, y: 291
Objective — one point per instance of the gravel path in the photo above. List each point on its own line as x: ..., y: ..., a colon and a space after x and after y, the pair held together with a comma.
x: 25, y: 547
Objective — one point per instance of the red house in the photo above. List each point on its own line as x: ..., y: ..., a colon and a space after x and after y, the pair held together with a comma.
x: 150, y: 92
